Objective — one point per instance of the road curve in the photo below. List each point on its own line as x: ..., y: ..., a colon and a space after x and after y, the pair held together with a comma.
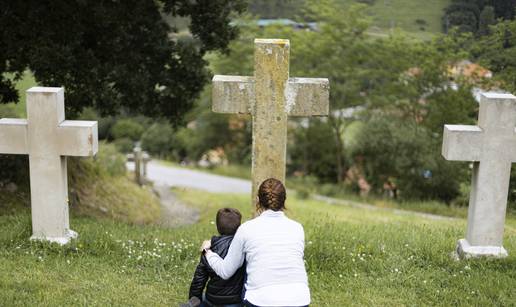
x: 172, y: 176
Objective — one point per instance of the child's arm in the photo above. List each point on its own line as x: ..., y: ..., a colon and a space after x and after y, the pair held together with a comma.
x: 199, y: 279
x: 225, y: 268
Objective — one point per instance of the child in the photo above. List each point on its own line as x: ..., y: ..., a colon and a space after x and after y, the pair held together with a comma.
x: 219, y: 292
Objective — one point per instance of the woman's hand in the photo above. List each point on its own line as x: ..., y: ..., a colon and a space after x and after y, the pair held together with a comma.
x: 205, y: 245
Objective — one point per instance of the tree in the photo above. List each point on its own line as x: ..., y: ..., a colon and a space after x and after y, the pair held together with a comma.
x: 462, y: 14
x: 497, y: 51
x: 313, y: 151
x: 113, y: 55
x: 159, y: 139
x: 504, y: 8
x: 487, y: 18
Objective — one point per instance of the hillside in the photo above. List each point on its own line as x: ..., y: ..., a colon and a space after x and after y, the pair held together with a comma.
x: 353, y: 256
x: 419, y: 18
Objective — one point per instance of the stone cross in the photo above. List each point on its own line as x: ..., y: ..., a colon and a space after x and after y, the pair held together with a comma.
x: 492, y: 147
x: 270, y: 96
x: 48, y: 138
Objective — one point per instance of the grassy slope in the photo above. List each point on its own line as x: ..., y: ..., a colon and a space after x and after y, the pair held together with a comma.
x: 404, y: 13
x: 387, y: 14
x: 96, y: 192
x: 354, y: 257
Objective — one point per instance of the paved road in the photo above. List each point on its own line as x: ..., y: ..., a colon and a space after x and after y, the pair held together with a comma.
x: 168, y: 175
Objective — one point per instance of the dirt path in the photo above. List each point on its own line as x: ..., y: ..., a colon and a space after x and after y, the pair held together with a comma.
x: 173, y: 212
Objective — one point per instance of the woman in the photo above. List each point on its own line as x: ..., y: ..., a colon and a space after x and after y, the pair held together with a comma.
x: 273, y: 247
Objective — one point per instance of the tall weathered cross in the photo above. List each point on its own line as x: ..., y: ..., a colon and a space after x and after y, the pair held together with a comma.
x: 48, y: 138
x: 270, y: 97
x: 492, y: 147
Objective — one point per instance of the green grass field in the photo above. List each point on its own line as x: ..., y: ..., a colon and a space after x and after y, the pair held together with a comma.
x: 403, y: 14
x: 353, y: 257
x: 418, y: 18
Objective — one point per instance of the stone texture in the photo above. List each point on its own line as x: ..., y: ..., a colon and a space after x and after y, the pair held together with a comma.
x: 491, y: 146
x: 47, y: 138
x: 270, y: 96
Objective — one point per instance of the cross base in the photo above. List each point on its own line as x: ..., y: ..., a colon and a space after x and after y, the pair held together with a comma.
x: 466, y: 251
x: 69, y: 235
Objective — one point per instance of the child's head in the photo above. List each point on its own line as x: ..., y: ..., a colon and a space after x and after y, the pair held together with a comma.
x: 228, y: 221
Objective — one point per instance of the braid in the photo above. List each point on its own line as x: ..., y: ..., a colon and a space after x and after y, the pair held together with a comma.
x: 272, y: 195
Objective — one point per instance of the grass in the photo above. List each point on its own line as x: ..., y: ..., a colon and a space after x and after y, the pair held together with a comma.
x: 98, y: 188
x: 353, y: 257
x: 404, y: 13
x: 419, y: 18
x: 103, y: 188
x: 18, y: 109
x: 332, y: 190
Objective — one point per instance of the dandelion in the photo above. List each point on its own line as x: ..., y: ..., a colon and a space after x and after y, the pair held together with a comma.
x: 340, y: 275
x: 424, y: 281
x: 309, y: 242
x: 356, y: 275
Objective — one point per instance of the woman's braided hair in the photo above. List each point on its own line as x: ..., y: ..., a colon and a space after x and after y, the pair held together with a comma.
x: 272, y: 195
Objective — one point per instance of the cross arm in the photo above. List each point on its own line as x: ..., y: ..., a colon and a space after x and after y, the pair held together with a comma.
x: 232, y: 94
x: 78, y: 138
x: 307, y: 97
x: 13, y: 136
x: 462, y: 142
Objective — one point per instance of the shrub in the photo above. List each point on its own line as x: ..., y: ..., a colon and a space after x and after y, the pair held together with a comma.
x: 110, y: 160
x: 124, y: 145
x: 391, y: 149
x: 159, y: 139
x: 421, y: 22
x: 127, y: 128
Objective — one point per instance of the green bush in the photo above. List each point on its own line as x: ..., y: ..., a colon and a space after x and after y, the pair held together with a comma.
x: 312, y: 156
x: 108, y: 162
x: 159, y: 140
x: 124, y: 145
x: 409, y: 155
x: 111, y: 160
x: 127, y: 128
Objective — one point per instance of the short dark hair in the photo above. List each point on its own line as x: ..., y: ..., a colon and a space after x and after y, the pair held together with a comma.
x: 228, y: 221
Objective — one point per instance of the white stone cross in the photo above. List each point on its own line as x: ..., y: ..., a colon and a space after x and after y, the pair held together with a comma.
x: 270, y: 96
x: 492, y: 147
x: 48, y: 138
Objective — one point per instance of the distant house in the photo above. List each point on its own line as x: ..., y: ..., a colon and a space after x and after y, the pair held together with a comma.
x: 469, y: 70
x: 465, y: 70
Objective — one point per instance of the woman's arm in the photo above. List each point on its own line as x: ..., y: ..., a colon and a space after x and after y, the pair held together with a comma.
x: 225, y: 268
